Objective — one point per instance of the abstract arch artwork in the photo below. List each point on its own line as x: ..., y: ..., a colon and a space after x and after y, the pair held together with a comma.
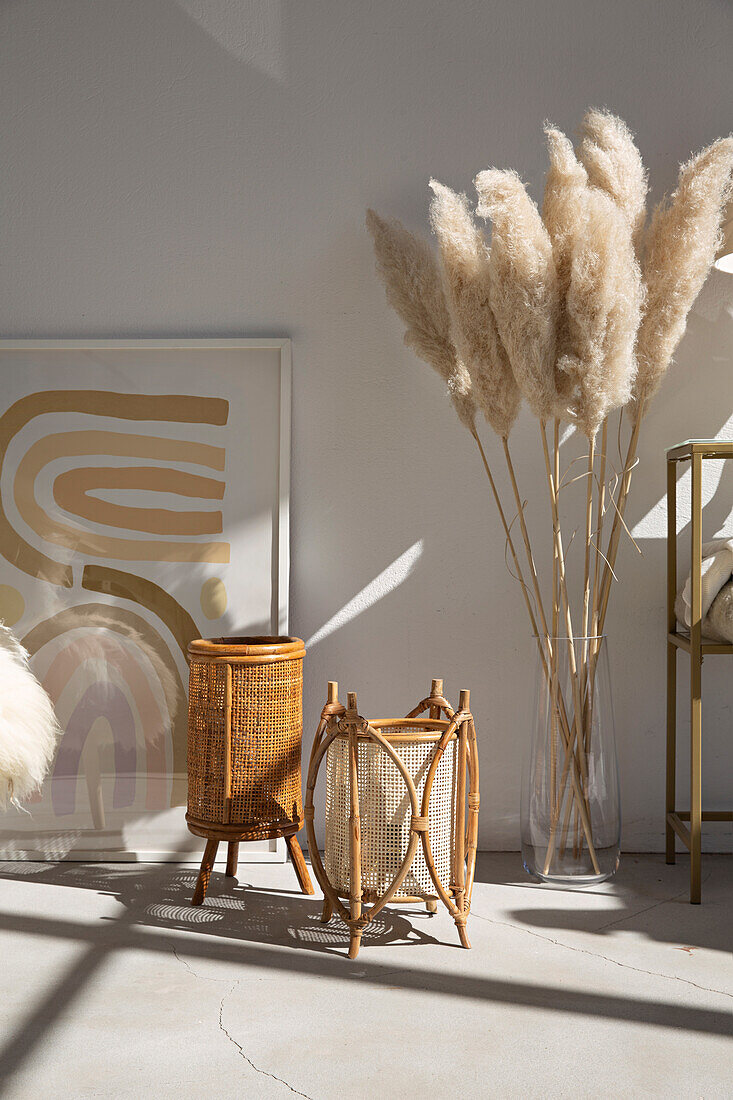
x: 143, y: 502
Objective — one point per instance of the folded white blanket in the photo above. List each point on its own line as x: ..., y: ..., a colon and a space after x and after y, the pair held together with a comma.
x: 717, y: 570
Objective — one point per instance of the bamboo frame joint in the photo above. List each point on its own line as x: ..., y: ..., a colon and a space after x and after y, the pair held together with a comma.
x: 330, y: 709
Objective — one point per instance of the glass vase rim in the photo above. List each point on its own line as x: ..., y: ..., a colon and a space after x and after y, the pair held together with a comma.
x: 575, y: 638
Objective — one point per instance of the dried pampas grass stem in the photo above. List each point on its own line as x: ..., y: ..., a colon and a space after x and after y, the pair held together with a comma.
x: 578, y: 311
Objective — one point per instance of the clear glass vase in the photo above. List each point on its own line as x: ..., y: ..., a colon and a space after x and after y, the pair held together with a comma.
x: 571, y: 808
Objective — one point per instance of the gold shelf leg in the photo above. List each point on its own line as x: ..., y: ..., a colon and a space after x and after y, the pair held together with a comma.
x: 671, y: 657
x: 696, y: 684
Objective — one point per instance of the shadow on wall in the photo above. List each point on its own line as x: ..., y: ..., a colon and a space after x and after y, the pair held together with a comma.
x: 696, y: 401
x: 249, y: 30
x: 384, y: 583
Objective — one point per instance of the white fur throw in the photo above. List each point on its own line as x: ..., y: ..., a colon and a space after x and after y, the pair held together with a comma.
x: 28, y: 727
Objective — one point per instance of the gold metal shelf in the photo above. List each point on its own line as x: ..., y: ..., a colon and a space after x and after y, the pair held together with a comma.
x: 706, y: 448
x: 697, y: 647
x: 707, y: 645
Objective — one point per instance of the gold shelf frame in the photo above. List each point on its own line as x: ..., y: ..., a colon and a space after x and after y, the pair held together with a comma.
x: 697, y: 646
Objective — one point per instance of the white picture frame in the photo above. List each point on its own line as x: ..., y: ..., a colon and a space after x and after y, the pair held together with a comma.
x: 263, y: 355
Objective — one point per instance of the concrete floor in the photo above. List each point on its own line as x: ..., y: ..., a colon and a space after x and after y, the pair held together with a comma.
x: 113, y: 986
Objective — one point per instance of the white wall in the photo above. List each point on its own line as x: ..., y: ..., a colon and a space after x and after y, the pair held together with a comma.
x: 201, y: 167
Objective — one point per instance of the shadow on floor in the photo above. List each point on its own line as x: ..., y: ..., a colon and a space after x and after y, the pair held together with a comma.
x: 247, y: 928
x: 233, y: 909
x: 652, y: 900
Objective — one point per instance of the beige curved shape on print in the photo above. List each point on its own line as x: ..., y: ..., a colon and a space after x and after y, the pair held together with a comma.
x: 68, y: 444
x: 178, y: 408
x: 81, y: 651
x: 12, y: 604
x: 138, y: 630
x: 128, y: 586
x: 213, y: 598
x: 71, y: 492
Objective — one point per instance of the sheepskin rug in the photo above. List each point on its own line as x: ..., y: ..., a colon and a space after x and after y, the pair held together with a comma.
x: 29, y: 730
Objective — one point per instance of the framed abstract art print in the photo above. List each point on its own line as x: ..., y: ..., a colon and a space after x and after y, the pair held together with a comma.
x: 143, y: 502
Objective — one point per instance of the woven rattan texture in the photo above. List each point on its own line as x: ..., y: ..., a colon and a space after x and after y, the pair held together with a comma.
x: 266, y: 734
x: 385, y: 814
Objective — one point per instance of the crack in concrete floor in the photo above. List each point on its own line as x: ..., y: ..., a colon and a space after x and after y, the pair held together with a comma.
x: 607, y: 958
x: 232, y: 986
x: 247, y: 1059
x: 225, y: 1031
x: 667, y: 922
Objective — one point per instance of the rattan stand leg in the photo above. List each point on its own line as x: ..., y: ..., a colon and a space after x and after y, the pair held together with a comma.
x: 327, y: 911
x: 232, y: 857
x: 299, y: 864
x: 432, y: 906
x: 463, y: 936
x: 354, y: 835
x: 205, y: 873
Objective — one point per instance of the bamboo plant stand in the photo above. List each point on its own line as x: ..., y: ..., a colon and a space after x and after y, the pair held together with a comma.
x: 397, y: 830
x: 687, y: 825
x: 245, y: 725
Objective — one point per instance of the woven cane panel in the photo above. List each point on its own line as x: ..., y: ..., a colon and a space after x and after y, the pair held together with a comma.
x: 206, y: 741
x: 385, y: 814
x: 266, y: 733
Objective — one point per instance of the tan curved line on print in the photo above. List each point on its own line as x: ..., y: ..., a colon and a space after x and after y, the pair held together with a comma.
x: 74, y: 444
x: 128, y: 586
x: 79, y: 652
x: 134, y: 627
x: 71, y: 492
x: 178, y: 408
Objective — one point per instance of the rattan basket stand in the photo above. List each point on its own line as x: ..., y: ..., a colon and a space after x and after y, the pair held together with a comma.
x: 245, y: 727
x: 442, y: 728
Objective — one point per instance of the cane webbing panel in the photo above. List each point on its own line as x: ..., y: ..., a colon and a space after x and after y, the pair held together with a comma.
x: 385, y: 814
x: 266, y: 732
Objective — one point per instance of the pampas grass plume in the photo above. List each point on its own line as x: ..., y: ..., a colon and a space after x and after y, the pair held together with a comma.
x: 560, y: 306
x: 613, y: 163
x: 464, y: 262
x: 603, y: 310
x: 564, y: 209
x: 565, y: 214
x: 681, y: 243
x: 410, y: 274
x: 567, y: 307
x: 523, y: 289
